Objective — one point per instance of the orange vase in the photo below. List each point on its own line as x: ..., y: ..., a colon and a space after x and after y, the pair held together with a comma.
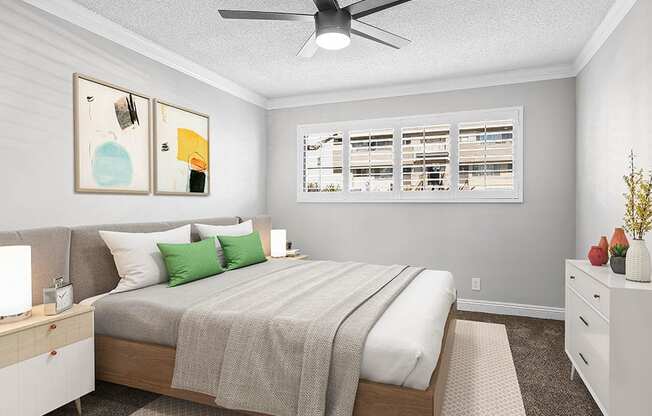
x: 619, y: 238
x: 605, y: 247
x: 597, y: 256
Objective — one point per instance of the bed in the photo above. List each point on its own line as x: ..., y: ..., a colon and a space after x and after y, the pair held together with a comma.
x: 404, y: 360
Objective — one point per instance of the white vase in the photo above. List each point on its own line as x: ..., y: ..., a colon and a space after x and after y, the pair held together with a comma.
x: 637, y: 262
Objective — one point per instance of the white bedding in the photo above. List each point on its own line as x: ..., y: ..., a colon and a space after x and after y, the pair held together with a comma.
x: 403, y: 346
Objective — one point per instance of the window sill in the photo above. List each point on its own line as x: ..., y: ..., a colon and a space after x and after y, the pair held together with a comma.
x: 410, y: 201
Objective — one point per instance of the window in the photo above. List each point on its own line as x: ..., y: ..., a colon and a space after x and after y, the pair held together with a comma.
x: 425, y: 159
x: 322, y: 162
x: 371, y: 161
x: 470, y: 156
x: 486, y: 155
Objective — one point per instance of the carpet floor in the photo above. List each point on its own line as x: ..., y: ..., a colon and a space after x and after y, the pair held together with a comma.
x: 537, y: 347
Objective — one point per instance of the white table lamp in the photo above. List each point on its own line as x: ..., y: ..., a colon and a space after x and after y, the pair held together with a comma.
x: 278, y: 242
x: 15, y: 283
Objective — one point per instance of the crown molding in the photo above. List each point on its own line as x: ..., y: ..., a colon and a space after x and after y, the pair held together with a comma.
x: 93, y: 22
x: 437, y: 85
x: 610, y: 22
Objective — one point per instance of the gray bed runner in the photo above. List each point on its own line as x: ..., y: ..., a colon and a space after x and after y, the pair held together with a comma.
x: 288, y: 342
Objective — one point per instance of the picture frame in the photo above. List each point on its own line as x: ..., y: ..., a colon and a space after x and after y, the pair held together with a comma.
x: 181, y: 151
x: 112, y: 128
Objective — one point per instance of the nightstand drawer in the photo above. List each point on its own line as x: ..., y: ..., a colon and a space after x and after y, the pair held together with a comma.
x: 45, y: 338
x: 8, y: 350
x: 51, y: 380
x: 593, y: 292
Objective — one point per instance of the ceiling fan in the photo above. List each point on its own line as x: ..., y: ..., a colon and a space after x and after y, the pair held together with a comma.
x: 333, y: 24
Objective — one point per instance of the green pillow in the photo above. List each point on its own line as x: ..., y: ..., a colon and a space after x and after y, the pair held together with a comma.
x: 242, y: 250
x: 189, y: 262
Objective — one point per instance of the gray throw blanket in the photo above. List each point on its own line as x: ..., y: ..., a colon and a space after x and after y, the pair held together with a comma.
x: 288, y: 342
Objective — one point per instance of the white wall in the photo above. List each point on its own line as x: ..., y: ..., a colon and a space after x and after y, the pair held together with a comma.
x: 614, y: 115
x: 517, y: 249
x: 38, y: 55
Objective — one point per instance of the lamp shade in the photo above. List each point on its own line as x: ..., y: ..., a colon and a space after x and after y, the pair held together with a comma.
x: 15, y: 282
x: 278, y: 247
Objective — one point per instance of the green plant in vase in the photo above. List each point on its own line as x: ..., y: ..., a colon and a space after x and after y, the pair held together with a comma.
x: 617, y: 259
x: 638, y: 221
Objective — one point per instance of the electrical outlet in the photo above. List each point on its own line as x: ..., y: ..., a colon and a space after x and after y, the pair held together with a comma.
x: 475, y: 283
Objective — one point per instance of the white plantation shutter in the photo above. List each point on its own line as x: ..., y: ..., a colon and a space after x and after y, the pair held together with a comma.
x: 322, y: 162
x: 465, y: 156
x: 486, y: 155
x: 425, y: 158
x: 371, y: 160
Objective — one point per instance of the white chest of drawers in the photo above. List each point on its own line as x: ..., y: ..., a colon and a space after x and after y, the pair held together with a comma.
x: 46, y: 361
x: 609, y: 337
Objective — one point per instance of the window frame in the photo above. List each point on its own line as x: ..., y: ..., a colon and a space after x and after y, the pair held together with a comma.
x: 397, y: 195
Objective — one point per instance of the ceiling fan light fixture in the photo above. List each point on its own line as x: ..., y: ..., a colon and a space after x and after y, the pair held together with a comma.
x: 333, y: 41
x: 333, y: 29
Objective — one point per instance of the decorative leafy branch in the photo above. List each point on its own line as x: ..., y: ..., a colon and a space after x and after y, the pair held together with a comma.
x: 638, y: 201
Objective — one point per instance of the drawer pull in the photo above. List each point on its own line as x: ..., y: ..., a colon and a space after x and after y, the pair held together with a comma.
x: 53, y: 326
x: 584, y: 320
x: 53, y: 353
x: 596, y: 296
x: 572, y: 277
x: 584, y: 359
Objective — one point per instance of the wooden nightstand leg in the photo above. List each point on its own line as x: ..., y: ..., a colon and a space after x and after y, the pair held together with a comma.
x: 572, y: 372
x: 78, y: 406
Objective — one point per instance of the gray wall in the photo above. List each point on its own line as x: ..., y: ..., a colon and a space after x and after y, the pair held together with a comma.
x: 517, y: 249
x: 38, y: 55
x: 614, y: 115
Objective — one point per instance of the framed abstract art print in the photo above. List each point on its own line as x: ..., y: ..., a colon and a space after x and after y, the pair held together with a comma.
x: 181, y: 151
x: 112, y: 128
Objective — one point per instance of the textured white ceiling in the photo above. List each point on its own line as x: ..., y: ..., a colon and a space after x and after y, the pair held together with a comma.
x: 450, y: 38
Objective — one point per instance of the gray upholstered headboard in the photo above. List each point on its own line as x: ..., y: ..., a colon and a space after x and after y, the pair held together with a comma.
x: 92, y: 270
x: 50, y: 248
x: 80, y: 255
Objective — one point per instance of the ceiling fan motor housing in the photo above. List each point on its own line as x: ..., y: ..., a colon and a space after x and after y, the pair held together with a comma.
x: 333, y: 21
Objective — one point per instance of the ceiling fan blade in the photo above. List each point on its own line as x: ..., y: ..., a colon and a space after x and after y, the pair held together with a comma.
x: 378, y: 35
x: 323, y: 5
x: 366, y: 7
x: 309, y: 48
x: 256, y: 15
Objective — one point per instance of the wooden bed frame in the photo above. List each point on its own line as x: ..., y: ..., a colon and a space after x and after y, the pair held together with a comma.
x: 150, y: 367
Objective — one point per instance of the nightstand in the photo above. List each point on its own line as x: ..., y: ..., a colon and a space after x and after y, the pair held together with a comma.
x: 46, y: 361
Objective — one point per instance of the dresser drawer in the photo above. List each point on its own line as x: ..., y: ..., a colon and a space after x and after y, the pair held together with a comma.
x: 590, y: 345
x: 45, y: 338
x: 592, y: 291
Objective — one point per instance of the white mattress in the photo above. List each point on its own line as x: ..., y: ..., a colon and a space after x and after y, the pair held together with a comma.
x: 403, y: 346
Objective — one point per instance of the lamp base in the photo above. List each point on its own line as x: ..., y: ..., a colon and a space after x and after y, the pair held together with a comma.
x: 13, y: 318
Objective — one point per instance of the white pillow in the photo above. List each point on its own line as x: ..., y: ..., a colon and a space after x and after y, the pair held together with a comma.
x: 137, y: 257
x: 210, y: 231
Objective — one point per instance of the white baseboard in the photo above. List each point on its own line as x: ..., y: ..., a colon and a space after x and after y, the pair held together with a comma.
x: 505, y: 308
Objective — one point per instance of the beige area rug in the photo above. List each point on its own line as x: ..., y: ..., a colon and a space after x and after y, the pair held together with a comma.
x: 482, y: 379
